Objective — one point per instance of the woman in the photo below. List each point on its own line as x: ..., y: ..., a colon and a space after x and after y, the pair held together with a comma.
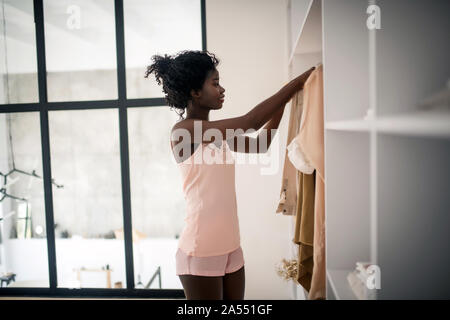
x: 209, y: 260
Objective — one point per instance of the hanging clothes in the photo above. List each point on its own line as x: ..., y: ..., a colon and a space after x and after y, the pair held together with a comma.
x: 288, y: 194
x: 304, y: 213
x: 311, y: 142
x: 298, y: 157
x: 304, y: 221
x: 304, y: 228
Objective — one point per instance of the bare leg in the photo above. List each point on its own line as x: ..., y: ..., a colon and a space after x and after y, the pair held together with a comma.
x: 234, y: 285
x: 202, y: 287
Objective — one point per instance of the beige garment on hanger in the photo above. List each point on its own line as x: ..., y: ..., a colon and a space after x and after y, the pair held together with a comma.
x: 288, y: 194
x: 304, y: 228
x: 312, y: 144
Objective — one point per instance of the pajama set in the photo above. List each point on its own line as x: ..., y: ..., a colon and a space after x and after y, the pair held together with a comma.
x: 209, y: 244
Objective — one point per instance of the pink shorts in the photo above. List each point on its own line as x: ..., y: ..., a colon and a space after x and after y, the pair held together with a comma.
x: 209, y: 266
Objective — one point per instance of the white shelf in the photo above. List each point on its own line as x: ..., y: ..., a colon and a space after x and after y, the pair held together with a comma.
x: 433, y: 123
x: 340, y: 285
x: 349, y: 125
x: 309, y: 39
x: 390, y: 154
x: 418, y: 123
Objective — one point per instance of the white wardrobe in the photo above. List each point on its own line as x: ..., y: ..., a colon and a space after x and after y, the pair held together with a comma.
x: 387, y: 152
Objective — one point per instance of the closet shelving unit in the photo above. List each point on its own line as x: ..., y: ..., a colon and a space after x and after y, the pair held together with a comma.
x: 387, y: 159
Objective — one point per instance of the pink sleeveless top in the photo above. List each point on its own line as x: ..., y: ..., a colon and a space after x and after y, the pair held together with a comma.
x: 211, y: 223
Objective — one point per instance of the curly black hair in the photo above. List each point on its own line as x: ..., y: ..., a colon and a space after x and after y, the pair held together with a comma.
x: 180, y: 74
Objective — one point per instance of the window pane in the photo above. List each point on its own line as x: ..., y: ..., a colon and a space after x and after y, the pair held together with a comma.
x: 80, y: 47
x: 88, y: 209
x: 18, y: 63
x: 23, y: 242
x: 156, y: 197
x: 157, y: 27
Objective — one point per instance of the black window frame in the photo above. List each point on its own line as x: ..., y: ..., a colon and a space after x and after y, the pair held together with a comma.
x: 122, y: 104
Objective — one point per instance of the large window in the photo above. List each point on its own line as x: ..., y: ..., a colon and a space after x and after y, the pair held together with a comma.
x: 90, y: 201
x: 18, y: 64
x: 157, y: 200
x: 88, y: 207
x: 80, y: 49
x: 151, y: 26
x: 22, y: 209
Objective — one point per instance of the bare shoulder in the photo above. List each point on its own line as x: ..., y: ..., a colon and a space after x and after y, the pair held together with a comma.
x: 183, y: 153
x: 187, y: 124
x: 179, y: 125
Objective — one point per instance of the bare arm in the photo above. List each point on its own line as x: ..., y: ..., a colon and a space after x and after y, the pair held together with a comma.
x: 267, y: 130
x: 252, y: 145
x: 263, y: 112
x: 254, y: 119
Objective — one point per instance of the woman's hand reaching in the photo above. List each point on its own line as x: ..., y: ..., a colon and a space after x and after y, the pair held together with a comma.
x: 305, y: 75
x: 301, y: 79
